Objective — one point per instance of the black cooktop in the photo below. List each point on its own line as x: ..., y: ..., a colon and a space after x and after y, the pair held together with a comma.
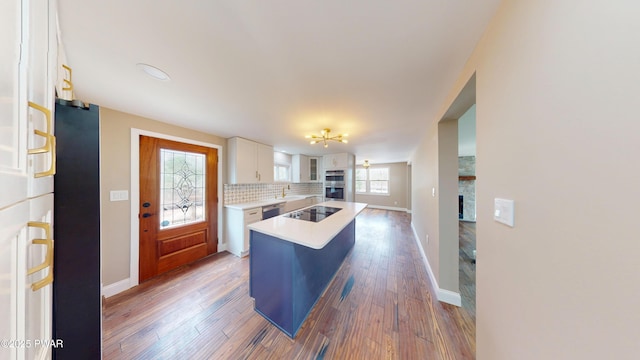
x: 314, y: 213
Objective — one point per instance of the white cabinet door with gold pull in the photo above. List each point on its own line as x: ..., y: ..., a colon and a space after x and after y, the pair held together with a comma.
x: 26, y: 274
x: 27, y: 165
x: 36, y: 287
x: 13, y: 130
x: 40, y: 58
x: 13, y: 232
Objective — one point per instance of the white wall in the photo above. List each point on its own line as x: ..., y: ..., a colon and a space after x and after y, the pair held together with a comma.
x: 557, y: 87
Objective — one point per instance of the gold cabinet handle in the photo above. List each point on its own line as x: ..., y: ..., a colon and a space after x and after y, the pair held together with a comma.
x: 50, y: 141
x: 47, y: 135
x: 48, y: 261
x: 68, y: 82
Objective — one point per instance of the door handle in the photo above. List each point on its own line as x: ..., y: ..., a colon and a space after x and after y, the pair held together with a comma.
x: 146, y: 215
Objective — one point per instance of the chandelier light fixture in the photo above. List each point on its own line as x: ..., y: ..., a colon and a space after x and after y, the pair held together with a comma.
x: 366, y: 164
x: 325, y: 137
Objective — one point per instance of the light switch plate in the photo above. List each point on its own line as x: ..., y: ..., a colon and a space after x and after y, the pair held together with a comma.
x: 119, y: 195
x: 504, y: 211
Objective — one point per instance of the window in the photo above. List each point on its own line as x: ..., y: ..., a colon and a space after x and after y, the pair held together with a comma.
x: 361, y: 181
x: 182, y: 187
x: 281, y: 172
x: 372, y: 181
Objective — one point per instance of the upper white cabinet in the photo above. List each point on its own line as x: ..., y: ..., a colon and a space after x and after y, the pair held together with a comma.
x: 13, y: 129
x: 300, y: 168
x: 336, y: 161
x: 249, y: 162
x: 265, y: 163
x: 305, y: 169
x: 315, y: 169
x: 41, y: 62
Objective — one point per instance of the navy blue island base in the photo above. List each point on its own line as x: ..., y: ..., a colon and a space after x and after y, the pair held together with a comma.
x: 287, y: 279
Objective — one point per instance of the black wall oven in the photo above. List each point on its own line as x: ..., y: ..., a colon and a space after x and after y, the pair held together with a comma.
x: 334, y: 185
x: 331, y: 176
x: 334, y: 192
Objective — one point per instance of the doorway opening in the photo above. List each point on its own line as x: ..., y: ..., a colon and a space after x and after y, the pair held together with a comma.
x: 449, y: 209
x: 467, y: 205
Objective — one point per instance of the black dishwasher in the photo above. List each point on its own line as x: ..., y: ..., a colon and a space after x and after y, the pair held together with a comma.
x: 270, y: 211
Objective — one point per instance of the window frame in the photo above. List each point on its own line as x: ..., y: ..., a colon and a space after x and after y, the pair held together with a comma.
x: 368, y: 181
x: 275, y: 172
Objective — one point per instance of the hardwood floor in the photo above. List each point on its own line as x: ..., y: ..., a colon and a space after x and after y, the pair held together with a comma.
x: 467, y: 237
x: 380, y: 305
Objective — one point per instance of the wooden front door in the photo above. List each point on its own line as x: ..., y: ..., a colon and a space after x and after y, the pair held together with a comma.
x: 178, y: 210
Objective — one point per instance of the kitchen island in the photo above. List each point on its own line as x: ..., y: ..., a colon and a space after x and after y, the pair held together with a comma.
x: 293, y: 260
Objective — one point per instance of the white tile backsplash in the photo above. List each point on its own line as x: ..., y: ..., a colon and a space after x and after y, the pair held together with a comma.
x: 241, y: 193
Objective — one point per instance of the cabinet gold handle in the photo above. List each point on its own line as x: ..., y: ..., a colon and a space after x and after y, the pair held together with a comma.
x: 47, y: 135
x: 68, y: 82
x: 48, y: 261
x: 50, y: 141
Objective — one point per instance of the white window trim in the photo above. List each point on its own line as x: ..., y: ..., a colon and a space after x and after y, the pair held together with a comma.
x: 368, y: 187
x: 275, y: 173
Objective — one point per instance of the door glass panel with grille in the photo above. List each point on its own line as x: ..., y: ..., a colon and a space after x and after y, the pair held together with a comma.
x: 182, y: 188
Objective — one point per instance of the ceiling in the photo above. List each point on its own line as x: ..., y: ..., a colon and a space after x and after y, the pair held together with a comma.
x: 276, y: 70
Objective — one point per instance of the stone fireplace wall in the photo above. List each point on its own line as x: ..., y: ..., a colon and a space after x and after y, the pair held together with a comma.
x: 467, y: 188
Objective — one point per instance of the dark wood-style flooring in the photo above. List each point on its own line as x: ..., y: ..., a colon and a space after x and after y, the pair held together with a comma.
x: 380, y: 305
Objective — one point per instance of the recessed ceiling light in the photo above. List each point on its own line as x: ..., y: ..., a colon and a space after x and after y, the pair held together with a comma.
x: 154, y: 72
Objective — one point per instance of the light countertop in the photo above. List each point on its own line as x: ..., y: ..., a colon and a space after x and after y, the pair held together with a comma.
x: 261, y: 203
x: 308, y: 233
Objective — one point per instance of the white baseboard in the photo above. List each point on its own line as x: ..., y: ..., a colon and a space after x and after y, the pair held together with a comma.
x: 386, y: 207
x: 222, y: 247
x: 447, y: 296
x: 116, y: 288
x: 450, y: 297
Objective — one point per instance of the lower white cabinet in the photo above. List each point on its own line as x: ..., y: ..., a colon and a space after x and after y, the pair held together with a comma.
x: 237, y: 230
x: 292, y: 205
x: 26, y: 272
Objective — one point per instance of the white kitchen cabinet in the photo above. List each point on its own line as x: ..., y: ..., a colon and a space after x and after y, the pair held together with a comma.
x: 237, y: 230
x: 26, y: 273
x: 13, y: 129
x: 249, y: 162
x: 315, y: 169
x: 36, y: 287
x: 13, y: 232
x: 27, y: 166
x: 336, y: 161
x: 292, y: 205
x: 40, y: 93
x: 305, y: 169
x: 265, y: 163
x: 300, y: 168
